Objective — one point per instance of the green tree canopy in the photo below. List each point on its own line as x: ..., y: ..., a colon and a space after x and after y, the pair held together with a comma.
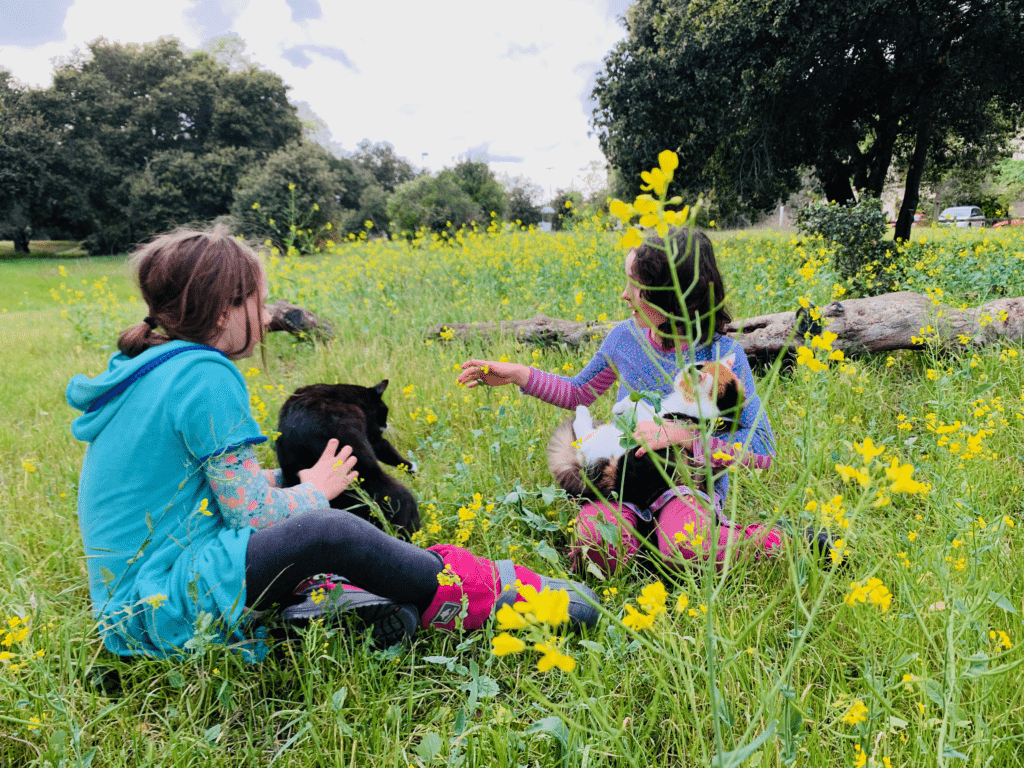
x: 432, y: 202
x: 148, y: 136
x: 296, y: 186
x: 748, y: 92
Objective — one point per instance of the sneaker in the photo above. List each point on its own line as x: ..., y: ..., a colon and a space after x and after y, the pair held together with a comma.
x: 391, y: 623
x: 822, y: 547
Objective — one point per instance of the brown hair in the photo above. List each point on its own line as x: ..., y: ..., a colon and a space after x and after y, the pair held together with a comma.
x: 189, y: 279
x: 693, y: 294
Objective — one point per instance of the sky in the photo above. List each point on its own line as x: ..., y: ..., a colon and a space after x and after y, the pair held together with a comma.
x: 441, y: 81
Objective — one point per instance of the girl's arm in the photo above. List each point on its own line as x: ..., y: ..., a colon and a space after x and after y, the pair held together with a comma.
x: 246, y: 496
x: 561, y: 391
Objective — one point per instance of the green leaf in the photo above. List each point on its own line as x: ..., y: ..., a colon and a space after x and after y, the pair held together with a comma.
x: 212, y: 734
x: 548, y: 552
x: 737, y: 756
x: 554, y: 727
x: 1000, y: 601
x: 338, y: 699
x: 428, y: 747
x: 107, y: 575
x: 460, y: 721
x: 934, y: 692
x: 950, y: 752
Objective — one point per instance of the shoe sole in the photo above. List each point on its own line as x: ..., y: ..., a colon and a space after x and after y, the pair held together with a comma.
x: 390, y: 623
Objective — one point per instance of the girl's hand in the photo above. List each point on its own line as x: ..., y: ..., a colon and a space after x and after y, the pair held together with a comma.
x: 654, y: 437
x: 333, y: 472
x: 477, y: 372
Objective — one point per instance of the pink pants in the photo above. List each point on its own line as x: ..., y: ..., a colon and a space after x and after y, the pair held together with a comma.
x: 684, y: 529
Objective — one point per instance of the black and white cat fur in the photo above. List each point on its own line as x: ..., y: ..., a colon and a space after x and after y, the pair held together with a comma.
x: 588, y: 459
x: 356, y: 416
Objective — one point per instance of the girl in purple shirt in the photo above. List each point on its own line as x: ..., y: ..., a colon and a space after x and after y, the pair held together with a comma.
x: 670, y: 327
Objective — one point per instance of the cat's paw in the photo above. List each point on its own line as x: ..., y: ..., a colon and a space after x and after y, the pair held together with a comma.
x: 583, y: 424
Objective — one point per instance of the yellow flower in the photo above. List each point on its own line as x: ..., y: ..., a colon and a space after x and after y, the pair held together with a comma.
x: 852, y: 473
x: 621, y: 210
x: 901, y: 480
x: 291, y: 187
x: 156, y: 600
x: 637, y: 621
x: 873, y: 591
x: 631, y: 239
x: 652, y: 598
x: 857, y: 713
x: 860, y: 759
x: 510, y: 619
x: 668, y: 161
x: 655, y: 181
x: 204, y: 507
x: 553, y: 658
x: 547, y: 607
x: 682, y: 602
x: 505, y: 644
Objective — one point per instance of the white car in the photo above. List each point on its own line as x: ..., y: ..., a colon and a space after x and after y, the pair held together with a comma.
x: 963, y: 216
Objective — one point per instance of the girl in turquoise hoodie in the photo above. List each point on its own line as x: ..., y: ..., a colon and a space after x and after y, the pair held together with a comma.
x: 171, y: 492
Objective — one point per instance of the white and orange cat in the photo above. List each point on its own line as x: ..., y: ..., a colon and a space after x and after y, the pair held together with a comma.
x: 593, y: 460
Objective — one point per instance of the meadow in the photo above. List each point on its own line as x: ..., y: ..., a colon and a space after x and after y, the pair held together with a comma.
x: 908, y: 655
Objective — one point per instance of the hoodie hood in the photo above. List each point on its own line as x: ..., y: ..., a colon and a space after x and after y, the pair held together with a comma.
x: 99, y: 397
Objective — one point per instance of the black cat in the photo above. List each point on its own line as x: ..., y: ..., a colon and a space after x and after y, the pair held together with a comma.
x: 356, y: 416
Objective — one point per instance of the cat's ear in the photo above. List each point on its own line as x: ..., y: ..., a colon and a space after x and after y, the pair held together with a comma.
x: 729, y: 361
x: 379, y: 389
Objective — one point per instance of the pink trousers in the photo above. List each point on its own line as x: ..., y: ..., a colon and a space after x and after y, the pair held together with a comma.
x: 684, y: 529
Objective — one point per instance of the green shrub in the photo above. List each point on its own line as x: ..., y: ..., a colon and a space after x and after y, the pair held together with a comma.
x: 856, y: 232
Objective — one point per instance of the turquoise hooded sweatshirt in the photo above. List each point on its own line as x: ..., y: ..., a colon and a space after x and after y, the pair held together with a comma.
x: 159, y: 552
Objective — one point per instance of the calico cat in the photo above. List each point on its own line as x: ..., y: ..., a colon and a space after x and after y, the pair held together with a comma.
x: 356, y: 416
x: 588, y: 460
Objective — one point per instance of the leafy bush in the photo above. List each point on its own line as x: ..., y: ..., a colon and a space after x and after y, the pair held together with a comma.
x: 856, y: 232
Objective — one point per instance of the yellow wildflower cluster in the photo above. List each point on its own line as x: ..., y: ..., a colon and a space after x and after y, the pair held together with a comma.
x: 806, y: 355
x: 13, y: 632
x: 831, y: 513
x: 652, y: 601
x: 468, y: 516
x: 872, y: 591
x: 539, y: 613
x: 650, y: 208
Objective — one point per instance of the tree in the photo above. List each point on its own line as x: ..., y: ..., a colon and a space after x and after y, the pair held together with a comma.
x: 749, y: 92
x: 523, y: 199
x: 295, y: 186
x: 435, y: 203
x: 383, y: 165
x: 148, y: 136
x: 478, y: 181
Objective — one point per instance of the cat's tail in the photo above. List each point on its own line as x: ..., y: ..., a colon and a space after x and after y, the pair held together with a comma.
x: 564, y: 459
x: 573, y: 475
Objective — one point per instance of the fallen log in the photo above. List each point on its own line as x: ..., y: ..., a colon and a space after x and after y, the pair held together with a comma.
x: 873, y: 324
x: 539, y: 329
x: 298, y: 321
x: 887, y: 322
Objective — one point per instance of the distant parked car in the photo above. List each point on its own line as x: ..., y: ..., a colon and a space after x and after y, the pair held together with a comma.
x: 1009, y: 223
x: 964, y: 216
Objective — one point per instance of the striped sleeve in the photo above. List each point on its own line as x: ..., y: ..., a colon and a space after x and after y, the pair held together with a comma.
x: 564, y: 392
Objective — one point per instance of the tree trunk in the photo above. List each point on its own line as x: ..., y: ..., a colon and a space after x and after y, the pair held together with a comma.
x: 21, y: 239
x: 838, y: 188
x: 912, y: 191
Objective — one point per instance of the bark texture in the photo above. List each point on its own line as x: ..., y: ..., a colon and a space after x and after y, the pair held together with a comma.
x: 298, y: 321
x: 873, y: 324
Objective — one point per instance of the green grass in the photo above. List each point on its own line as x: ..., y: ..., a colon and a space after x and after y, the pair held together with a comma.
x: 763, y: 677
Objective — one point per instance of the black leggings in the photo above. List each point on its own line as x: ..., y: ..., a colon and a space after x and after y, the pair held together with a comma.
x: 334, y: 541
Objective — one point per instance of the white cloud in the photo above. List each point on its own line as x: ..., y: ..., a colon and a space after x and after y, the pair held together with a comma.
x: 434, y: 78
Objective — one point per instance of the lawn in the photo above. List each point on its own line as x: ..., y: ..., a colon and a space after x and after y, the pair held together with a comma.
x: 771, y: 664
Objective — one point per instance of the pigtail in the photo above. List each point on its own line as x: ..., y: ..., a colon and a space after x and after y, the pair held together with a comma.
x: 140, y: 337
